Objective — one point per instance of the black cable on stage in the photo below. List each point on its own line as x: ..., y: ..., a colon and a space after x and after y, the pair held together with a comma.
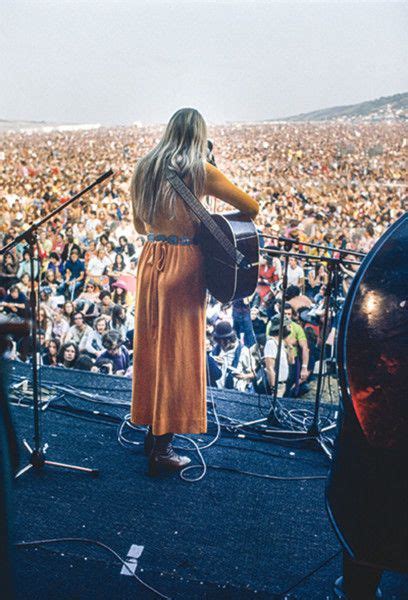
x: 319, y: 566
x: 96, y: 543
x: 266, y: 476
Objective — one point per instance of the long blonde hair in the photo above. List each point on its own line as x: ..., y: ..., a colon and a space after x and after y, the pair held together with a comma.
x: 182, y: 148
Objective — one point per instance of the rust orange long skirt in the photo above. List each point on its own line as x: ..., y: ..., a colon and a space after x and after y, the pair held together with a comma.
x: 169, y: 360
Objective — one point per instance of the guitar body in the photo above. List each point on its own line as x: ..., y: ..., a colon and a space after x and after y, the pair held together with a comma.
x: 225, y: 280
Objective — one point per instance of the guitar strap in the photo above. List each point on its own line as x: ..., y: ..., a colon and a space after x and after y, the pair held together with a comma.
x: 206, y: 219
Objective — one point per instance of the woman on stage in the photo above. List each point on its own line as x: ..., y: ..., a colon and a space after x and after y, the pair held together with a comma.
x: 169, y: 370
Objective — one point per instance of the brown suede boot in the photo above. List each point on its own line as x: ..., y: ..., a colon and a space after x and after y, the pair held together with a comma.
x: 163, y: 458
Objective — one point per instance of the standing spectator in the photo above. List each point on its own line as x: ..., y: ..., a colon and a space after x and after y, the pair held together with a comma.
x: 271, y: 353
x: 296, y: 275
x: 241, y: 320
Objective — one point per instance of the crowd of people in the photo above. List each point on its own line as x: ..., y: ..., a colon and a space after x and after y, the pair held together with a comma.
x: 335, y: 184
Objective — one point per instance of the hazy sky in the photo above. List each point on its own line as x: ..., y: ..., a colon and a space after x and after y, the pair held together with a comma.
x: 122, y: 61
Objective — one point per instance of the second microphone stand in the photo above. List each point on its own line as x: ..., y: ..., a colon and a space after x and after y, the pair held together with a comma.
x: 29, y: 236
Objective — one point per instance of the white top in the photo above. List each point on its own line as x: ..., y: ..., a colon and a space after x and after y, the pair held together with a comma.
x: 295, y: 275
x: 244, y: 366
x: 271, y: 351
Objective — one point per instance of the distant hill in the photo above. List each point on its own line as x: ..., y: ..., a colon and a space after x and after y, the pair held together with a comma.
x: 388, y: 108
x: 44, y: 126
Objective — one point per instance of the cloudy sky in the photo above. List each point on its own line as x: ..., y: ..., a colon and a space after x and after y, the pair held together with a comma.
x: 113, y: 62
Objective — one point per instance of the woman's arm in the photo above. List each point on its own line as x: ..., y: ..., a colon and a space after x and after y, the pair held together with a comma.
x: 219, y: 186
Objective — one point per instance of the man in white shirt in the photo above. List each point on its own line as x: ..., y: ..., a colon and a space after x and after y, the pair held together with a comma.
x: 296, y: 275
x: 271, y: 353
x: 97, y: 264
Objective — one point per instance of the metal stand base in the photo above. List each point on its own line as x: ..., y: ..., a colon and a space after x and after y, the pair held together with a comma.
x: 38, y: 461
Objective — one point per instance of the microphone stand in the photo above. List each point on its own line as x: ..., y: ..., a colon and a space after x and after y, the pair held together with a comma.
x: 314, y: 434
x: 30, y: 236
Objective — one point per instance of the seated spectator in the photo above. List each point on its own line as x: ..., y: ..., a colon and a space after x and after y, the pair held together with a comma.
x: 73, y: 275
x: 15, y: 303
x: 296, y: 299
x: 124, y: 248
x: 121, y: 294
x: 214, y: 372
x: 117, y: 268
x: 68, y: 310
x: 105, y: 306
x: 80, y: 333
x: 24, y: 284
x: 233, y: 357
x: 45, y: 322
x: 115, y: 352
x: 98, y: 265
x: 88, y: 299
x: 60, y: 326
x: 121, y: 321
x: 8, y: 269
x: 85, y: 363
x: 49, y: 357
x: 94, y: 346
x: 68, y: 355
x: 25, y: 267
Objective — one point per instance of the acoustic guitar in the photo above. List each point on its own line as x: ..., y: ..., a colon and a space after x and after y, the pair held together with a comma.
x: 230, y: 244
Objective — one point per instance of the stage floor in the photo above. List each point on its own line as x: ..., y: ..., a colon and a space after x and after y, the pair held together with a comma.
x: 231, y: 535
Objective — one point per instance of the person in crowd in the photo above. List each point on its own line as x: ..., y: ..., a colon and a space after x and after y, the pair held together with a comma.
x: 68, y: 310
x: 214, y: 372
x: 80, y: 333
x: 73, y: 274
x: 60, y: 326
x: 49, y: 357
x: 15, y: 303
x: 94, y: 346
x: 114, y: 352
x: 296, y: 275
x: 85, y: 363
x: 121, y: 294
x: 98, y: 265
x: 298, y: 355
x: 121, y: 321
x: 106, y: 304
x: 241, y: 321
x: 24, y: 285
x: 8, y: 269
x: 25, y: 267
x: 45, y: 322
x: 234, y: 359
x: 317, y: 277
x: 296, y: 299
x: 68, y: 355
x: 271, y: 353
x: 117, y: 268
x: 125, y: 248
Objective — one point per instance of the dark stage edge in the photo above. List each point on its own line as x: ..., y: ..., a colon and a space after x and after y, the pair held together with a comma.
x: 228, y: 536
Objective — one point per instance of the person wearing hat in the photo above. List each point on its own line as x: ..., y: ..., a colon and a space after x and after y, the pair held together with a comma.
x: 271, y: 353
x: 233, y: 358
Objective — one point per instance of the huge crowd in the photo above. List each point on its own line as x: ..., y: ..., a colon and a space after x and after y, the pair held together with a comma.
x: 339, y: 184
